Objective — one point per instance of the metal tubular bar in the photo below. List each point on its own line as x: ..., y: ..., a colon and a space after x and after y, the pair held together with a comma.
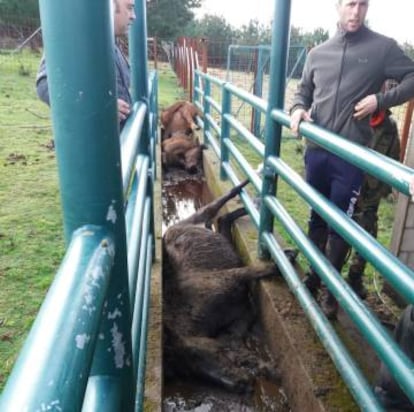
x: 251, y: 208
x: 273, y: 131
x: 85, y: 128
x: 139, y: 292
x: 399, y: 275
x: 356, y: 382
x: 213, y: 104
x: 138, y: 55
x: 212, y: 142
x: 247, y: 97
x: 130, y: 138
x: 144, y: 331
x: 225, y: 129
x: 210, y: 78
x: 243, y: 163
x: 258, y: 91
x: 255, y: 143
x: 52, y: 368
x: 388, y: 351
x: 387, y: 170
x: 134, y: 240
x: 103, y: 395
x: 206, y: 105
x: 213, y: 124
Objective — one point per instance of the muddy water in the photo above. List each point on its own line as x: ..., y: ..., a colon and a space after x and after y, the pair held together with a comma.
x: 180, y: 199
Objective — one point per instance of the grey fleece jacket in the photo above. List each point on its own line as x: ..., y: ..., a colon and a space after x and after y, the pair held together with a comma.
x: 345, y: 69
x: 122, y: 71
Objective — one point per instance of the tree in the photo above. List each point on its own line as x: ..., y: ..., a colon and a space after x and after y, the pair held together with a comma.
x: 218, y: 33
x: 254, y: 33
x: 167, y: 19
x: 19, y: 12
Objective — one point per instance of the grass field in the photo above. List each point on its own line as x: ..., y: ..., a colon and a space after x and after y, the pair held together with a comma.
x: 31, y: 242
x: 31, y: 236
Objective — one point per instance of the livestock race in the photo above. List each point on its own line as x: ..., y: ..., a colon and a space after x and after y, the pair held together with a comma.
x: 206, y: 206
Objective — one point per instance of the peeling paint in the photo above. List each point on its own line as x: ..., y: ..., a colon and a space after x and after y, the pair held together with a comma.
x: 88, y: 233
x: 82, y: 340
x: 89, y: 309
x: 111, y: 250
x: 52, y: 406
x: 88, y: 298
x: 118, y: 346
x: 115, y: 314
x: 111, y: 215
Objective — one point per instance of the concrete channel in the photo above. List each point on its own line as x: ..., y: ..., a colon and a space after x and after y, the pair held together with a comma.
x: 309, y: 377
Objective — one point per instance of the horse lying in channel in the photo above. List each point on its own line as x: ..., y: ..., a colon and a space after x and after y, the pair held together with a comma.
x: 179, y: 117
x: 207, y: 302
x: 182, y: 151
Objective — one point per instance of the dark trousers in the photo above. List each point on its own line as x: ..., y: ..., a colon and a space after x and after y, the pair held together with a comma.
x: 340, y: 182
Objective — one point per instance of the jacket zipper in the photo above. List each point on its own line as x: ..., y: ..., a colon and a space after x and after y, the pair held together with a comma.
x: 338, y: 84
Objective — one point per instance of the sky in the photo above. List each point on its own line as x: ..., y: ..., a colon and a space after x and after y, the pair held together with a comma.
x: 392, y: 18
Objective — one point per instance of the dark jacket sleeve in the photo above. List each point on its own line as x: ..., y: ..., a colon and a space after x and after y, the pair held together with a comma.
x: 304, y: 93
x: 42, y: 87
x: 401, y: 68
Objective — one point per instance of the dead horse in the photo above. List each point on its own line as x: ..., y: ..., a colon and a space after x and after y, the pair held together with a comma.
x: 207, y: 309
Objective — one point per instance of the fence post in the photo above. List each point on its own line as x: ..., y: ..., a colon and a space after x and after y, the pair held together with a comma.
x: 206, y: 106
x: 139, y: 63
x: 273, y: 130
x: 82, y: 86
x: 225, y: 130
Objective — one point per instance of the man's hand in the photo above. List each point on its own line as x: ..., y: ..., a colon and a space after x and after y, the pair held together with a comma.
x: 123, y: 109
x: 297, y: 116
x: 366, y: 106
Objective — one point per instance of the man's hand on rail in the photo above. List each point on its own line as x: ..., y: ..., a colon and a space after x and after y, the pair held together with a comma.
x: 296, y: 117
x: 123, y: 109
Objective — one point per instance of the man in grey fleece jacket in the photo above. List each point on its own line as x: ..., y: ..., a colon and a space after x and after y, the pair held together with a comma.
x: 124, y: 15
x: 339, y: 90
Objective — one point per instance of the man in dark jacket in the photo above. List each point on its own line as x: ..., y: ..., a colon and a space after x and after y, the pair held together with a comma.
x: 124, y: 15
x: 339, y: 90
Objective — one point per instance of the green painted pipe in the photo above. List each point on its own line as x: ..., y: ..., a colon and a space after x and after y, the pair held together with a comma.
x: 52, y: 368
x: 81, y: 74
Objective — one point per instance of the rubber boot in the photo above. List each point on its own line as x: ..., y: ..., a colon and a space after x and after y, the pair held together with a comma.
x: 311, y: 280
x: 328, y: 303
x: 336, y: 251
x: 357, y: 284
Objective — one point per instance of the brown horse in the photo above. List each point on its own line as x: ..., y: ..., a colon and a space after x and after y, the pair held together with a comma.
x: 179, y: 117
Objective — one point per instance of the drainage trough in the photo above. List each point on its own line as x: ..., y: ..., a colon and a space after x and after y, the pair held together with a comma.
x: 309, y: 378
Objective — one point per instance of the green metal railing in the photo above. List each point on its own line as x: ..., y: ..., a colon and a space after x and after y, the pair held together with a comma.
x: 219, y: 125
x: 87, y: 347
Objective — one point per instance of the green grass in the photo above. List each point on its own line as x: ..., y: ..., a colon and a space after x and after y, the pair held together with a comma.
x: 31, y: 243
